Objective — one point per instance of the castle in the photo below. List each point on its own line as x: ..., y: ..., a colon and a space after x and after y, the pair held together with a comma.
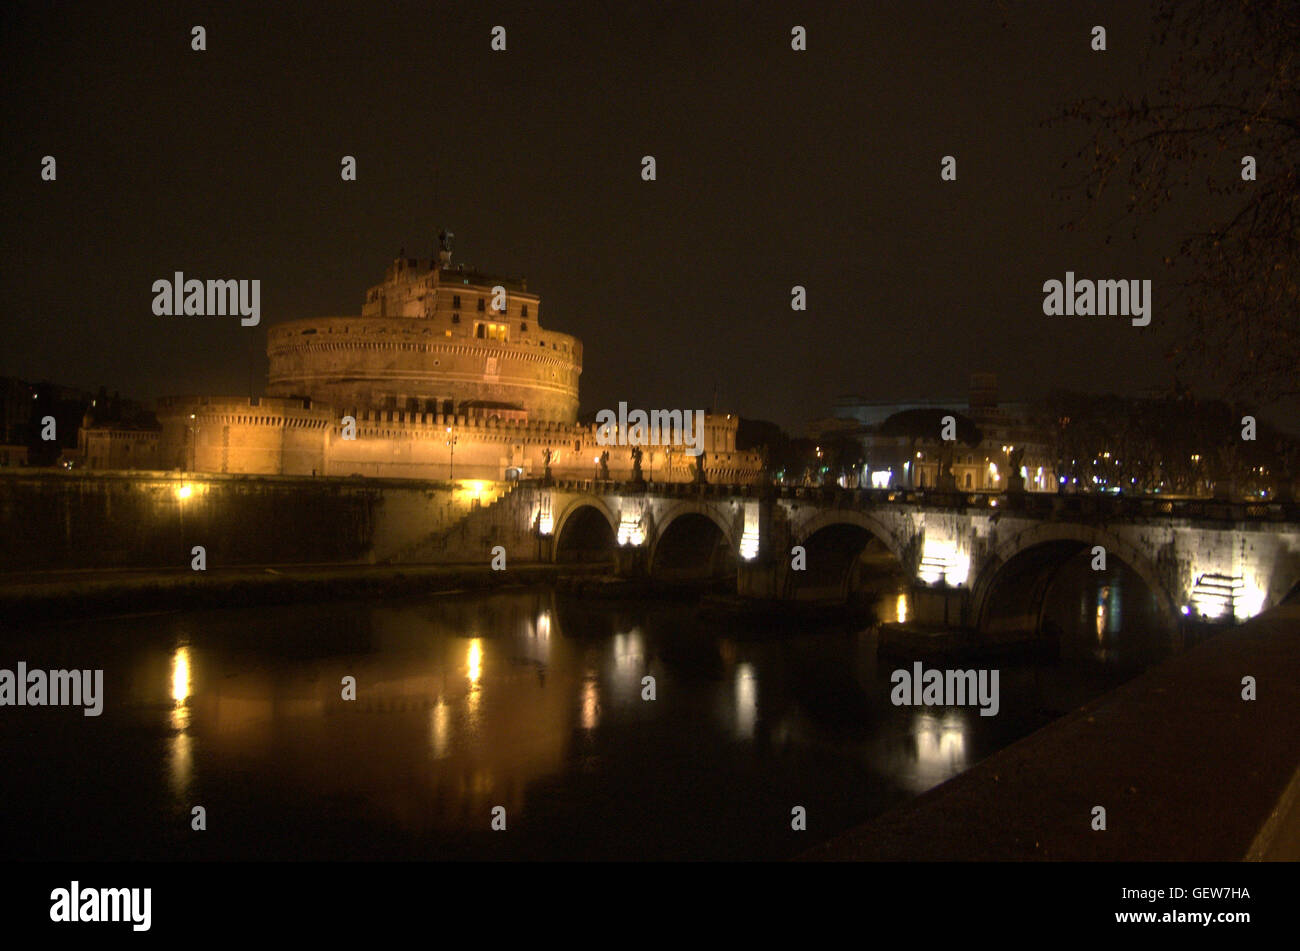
x: 446, y: 373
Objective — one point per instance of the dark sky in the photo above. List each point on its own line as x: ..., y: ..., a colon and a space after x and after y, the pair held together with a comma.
x: 775, y: 168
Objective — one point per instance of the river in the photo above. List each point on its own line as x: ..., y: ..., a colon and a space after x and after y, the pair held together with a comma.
x: 523, y: 699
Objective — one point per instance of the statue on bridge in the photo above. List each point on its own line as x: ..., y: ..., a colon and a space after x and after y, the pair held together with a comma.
x: 546, y: 462
x: 1015, y: 458
x: 699, y: 469
x: 947, y: 480
x: 637, y: 477
x: 604, y: 466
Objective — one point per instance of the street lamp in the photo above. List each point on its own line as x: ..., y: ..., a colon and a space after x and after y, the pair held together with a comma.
x: 451, y: 465
x: 194, y: 448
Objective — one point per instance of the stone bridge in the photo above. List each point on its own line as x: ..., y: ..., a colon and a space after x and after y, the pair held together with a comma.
x: 982, y: 560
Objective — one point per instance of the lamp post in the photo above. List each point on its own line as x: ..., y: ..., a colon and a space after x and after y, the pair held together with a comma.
x: 194, y: 448
x: 451, y: 465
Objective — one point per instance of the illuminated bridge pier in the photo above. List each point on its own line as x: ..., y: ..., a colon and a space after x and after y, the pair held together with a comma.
x: 982, y: 561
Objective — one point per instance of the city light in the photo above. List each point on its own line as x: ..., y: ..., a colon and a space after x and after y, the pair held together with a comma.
x: 631, y: 531
x: 941, y: 561
x: 1217, y: 595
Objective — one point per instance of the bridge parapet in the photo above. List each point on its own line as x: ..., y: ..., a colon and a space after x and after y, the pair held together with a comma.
x: 959, y: 541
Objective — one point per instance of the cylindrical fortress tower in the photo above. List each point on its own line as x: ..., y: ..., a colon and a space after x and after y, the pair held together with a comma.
x: 432, y: 339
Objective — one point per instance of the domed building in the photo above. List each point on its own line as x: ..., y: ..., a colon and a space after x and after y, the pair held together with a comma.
x: 446, y: 373
x: 433, y: 338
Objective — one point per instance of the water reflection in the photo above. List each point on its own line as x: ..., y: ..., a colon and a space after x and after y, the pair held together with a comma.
x: 940, y: 747
x: 527, y: 700
x: 475, y: 662
x: 1108, y: 616
x: 746, y: 700
x: 590, y: 702
x: 440, y: 729
x: 180, y: 762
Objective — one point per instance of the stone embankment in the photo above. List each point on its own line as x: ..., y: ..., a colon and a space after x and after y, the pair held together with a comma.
x: 1186, y: 769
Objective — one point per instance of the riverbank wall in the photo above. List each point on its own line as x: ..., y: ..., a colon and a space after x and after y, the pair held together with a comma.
x: 57, y: 520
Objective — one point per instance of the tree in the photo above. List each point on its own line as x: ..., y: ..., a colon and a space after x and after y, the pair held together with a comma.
x: 926, y: 425
x: 843, y: 457
x: 1229, y: 91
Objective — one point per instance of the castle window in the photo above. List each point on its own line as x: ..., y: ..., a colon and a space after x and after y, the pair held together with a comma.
x: 482, y: 305
x: 523, y: 328
x: 524, y: 312
x: 479, y: 330
x: 455, y: 301
x: 455, y: 318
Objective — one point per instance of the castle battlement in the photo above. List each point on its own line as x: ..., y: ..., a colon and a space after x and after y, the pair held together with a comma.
x: 431, y: 339
x: 446, y: 372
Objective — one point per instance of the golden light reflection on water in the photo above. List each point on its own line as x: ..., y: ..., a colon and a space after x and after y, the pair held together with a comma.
x: 475, y: 662
x: 440, y: 729
x: 900, y: 609
x: 180, y: 761
x: 181, y: 687
x: 180, y: 764
x: 181, y: 674
x: 421, y: 745
x: 473, y: 699
x: 590, y: 702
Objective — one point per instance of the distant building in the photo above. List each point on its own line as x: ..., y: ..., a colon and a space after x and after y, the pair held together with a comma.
x: 1010, y: 431
x: 109, y: 447
x: 446, y: 373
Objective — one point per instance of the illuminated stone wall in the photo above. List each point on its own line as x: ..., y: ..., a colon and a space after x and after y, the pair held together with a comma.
x: 257, y: 437
x: 53, y: 519
x: 438, y: 389
x: 421, y: 344
x: 298, y: 437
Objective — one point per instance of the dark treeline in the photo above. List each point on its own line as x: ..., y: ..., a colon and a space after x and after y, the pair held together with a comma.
x: 1177, y: 445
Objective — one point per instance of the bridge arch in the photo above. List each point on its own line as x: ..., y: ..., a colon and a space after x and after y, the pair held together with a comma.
x: 872, y: 523
x: 843, y: 547
x: 1024, y: 567
x: 578, y: 531
x: 714, y: 553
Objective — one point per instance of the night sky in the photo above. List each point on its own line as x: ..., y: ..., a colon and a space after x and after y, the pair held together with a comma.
x: 775, y: 168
